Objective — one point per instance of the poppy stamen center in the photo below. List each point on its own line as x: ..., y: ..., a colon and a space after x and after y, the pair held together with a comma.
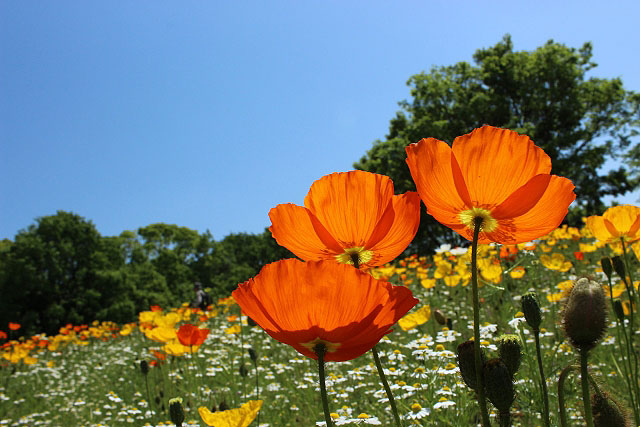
x: 469, y: 216
x: 329, y: 347
x: 355, y: 256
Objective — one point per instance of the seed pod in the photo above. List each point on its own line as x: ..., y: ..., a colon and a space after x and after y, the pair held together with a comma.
x: 243, y: 370
x: 467, y: 362
x: 176, y: 411
x: 607, y: 412
x: 510, y: 351
x: 606, y: 266
x: 585, y: 314
x: 498, y: 384
x: 253, y: 355
x: 531, y: 310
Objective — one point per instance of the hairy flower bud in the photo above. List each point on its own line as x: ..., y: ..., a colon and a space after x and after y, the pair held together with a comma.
x: 467, y: 362
x: 439, y: 316
x: 510, y: 351
x: 607, y: 412
x: 176, y: 411
x: 144, y: 367
x: 253, y: 355
x: 531, y: 310
x: 584, y: 317
x: 619, y: 310
x: 498, y: 385
x: 618, y: 266
x: 606, y: 266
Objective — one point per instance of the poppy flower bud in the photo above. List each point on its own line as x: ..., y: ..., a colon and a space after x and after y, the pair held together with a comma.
x: 243, y: 370
x: 619, y: 310
x: 585, y: 318
x: 606, y: 267
x: 176, y: 411
x: 467, y: 362
x: 439, y: 316
x: 253, y: 355
x: 223, y: 406
x: 531, y: 310
x: 510, y: 351
x: 618, y: 266
x: 498, y: 385
x: 144, y: 367
x: 607, y: 412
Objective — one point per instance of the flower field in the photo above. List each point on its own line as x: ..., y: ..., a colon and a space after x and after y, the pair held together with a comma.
x: 91, y: 375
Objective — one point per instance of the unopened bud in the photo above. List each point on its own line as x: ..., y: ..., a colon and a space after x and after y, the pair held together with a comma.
x: 585, y: 318
x: 176, y: 411
x: 498, y: 384
x: 510, y: 351
x: 223, y: 406
x: 619, y: 310
x: 253, y: 355
x: 531, y: 310
x: 144, y: 367
x: 607, y: 412
x: 467, y: 363
x: 243, y: 370
x: 606, y: 266
x: 618, y: 266
x: 439, y: 316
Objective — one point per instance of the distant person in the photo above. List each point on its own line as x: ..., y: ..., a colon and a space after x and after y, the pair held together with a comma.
x: 202, y: 300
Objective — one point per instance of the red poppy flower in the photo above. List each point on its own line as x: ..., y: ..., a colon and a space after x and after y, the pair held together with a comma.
x: 3, y: 335
x: 347, y: 217
x: 306, y: 303
x: 14, y: 326
x: 493, y: 174
x: 191, y: 335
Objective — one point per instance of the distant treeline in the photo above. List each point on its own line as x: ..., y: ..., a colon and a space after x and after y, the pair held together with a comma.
x: 61, y: 270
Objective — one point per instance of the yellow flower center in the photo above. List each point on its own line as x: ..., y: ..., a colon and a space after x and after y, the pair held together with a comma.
x: 416, y: 408
x: 468, y: 217
x: 356, y: 255
x: 330, y: 347
x: 363, y: 416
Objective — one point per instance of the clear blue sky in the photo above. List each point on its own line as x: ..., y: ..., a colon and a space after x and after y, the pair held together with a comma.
x: 206, y: 114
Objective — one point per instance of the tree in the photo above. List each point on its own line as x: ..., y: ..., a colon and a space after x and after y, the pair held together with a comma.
x: 580, y: 122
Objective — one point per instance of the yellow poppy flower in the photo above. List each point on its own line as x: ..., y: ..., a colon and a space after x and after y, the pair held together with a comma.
x: 416, y: 318
x: 239, y: 417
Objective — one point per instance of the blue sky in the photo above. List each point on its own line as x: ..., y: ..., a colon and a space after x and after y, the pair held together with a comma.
x: 208, y: 114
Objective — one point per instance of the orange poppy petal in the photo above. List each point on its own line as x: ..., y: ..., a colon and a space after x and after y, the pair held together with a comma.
x: 523, y: 199
x: 298, y: 302
x: 430, y: 163
x: 405, y: 225
x: 296, y: 228
x: 496, y: 162
x: 350, y: 204
x: 543, y: 218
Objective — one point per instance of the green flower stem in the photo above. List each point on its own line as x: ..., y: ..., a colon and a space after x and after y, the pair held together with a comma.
x: 482, y: 401
x: 543, y: 381
x: 387, y: 389
x: 504, y: 419
x: 255, y: 364
x: 627, y: 264
x: 563, y: 411
x: 586, y: 396
x: 320, y: 349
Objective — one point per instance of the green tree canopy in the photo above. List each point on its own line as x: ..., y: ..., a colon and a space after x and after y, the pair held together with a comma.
x: 580, y: 122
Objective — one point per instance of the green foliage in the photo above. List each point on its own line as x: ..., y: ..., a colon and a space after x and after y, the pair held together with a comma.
x: 61, y: 270
x: 580, y: 122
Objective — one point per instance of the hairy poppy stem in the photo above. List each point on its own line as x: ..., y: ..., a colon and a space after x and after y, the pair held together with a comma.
x: 563, y: 411
x: 480, y: 394
x: 543, y: 381
x: 586, y: 396
x: 387, y: 389
x: 320, y: 349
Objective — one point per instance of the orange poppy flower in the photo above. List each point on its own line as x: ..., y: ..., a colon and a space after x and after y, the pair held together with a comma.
x: 191, y: 335
x: 347, y: 217
x: 307, y: 303
x: 494, y: 174
x: 14, y: 326
x: 3, y: 335
x: 617, y: 222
